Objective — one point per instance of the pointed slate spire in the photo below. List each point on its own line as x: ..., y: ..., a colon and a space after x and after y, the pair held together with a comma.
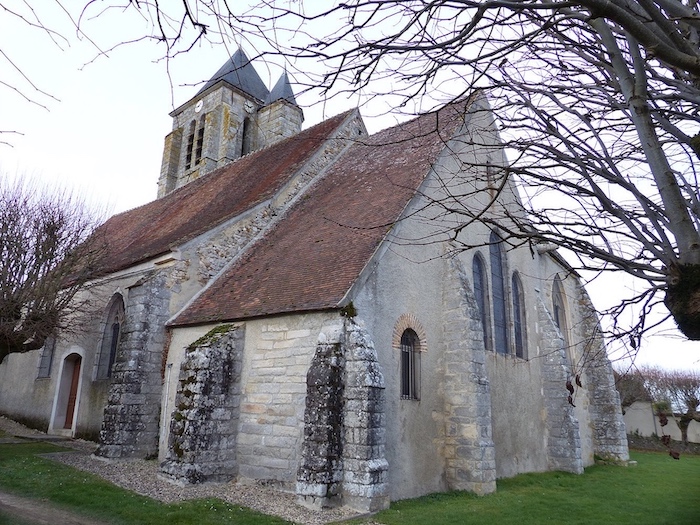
x: 240, y: 73
x: 282, y: 90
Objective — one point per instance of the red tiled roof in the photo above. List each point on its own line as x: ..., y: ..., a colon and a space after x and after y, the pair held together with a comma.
x: 312, y: 257
x: 152, y: 229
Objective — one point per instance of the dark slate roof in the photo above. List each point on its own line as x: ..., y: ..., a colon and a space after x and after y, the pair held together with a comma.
x: 312, y: 257
x: 282, y: 91
x: 240, y: 73
x: 153, y: 229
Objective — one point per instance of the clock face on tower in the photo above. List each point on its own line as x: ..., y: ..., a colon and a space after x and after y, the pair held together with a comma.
x: 198, y: 106
x: 248, y: 106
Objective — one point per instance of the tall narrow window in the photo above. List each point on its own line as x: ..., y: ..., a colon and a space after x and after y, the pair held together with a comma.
x: 481, y: 294
x: 410, y: 365
x: 190, y: 145
x: 498, y: 295
x: 46, y: 357
x: 110, y: 338
x: 246, y: 140
x: 518, y: 316
x: 200, y: 140
x: 559, y: 308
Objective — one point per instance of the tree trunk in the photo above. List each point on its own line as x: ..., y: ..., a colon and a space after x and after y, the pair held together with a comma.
x: 683, y: 424
x: 683, y: 299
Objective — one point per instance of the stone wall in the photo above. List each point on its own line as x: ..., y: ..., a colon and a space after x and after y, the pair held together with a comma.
x: 130, y: 426
x: 641, y: 419
x: 273, y: 397
x: 277, y: 121
x: 204, y: 424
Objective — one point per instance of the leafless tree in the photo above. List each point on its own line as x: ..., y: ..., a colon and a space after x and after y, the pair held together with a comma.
x: 630, y: 384
x: 597, y: 101
x: 680, y: 390
x: 598, y: 104
x: 44, y: 262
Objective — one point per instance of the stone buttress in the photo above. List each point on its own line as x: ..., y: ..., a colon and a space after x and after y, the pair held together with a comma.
x: 470, y: 457
x: 343, y: 454
x: 563, y: 435
x: 204, y: 423
x: 609, y: 432
x: 130, y: 426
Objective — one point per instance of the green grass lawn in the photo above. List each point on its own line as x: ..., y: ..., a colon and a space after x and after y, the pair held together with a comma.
x: 24, y: 473
x: 657, y: 490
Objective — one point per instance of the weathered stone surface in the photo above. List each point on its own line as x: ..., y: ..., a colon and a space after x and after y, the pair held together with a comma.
x: 204, y: 424
x: 343, y: 454
x: 130, y: 426
x: 609, y: 433
x: 563, y: 436
x: 321, y: 465
x: 468, y: 441
x: 365, y: 467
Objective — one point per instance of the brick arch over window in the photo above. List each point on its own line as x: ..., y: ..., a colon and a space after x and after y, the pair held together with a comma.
x: 405, y: 322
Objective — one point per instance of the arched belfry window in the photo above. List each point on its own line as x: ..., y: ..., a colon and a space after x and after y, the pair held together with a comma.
x: 110, y: 337
x: 190, y: 144
x: 559, y: 308
x: 410, y: 365
x: 519, y: 324
x: 498, y: 294
x: 247, y: 139
x: 200, y: 140
x: 481, y: 293
x: 195, y: 143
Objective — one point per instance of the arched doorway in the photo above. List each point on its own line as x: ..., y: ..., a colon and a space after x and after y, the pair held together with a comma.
x: 67, y: 395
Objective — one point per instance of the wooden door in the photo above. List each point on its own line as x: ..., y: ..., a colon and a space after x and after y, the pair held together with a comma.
x: 73, y: 394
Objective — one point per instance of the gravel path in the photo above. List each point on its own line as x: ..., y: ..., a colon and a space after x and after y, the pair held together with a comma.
x: 143, y: 478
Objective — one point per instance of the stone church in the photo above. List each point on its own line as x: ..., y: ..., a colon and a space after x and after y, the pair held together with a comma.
x: 318, y: 310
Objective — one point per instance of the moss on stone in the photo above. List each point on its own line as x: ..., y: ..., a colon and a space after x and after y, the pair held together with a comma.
x: 211, y: 336
x: 348, y: 310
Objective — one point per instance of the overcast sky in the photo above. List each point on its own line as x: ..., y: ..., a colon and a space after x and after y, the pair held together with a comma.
x: 101, y: 128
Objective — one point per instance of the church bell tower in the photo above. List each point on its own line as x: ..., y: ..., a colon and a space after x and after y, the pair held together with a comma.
x: 232, y: 115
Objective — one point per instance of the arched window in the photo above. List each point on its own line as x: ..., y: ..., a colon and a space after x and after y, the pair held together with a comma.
x: 247, y: 139
x: 190, y: 145
x: 410, y: 365
x: 498, y: 295
x: 518, y: 317
x: 195, y: 142
x: 110, y: 338
x: 46, y: 359
x: 200, y: 140
x: 481, y: 293
x: 559, y: 308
